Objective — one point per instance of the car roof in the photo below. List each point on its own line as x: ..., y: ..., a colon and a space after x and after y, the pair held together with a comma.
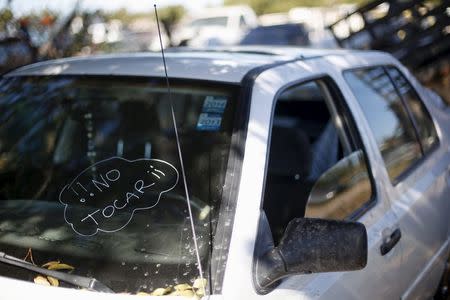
x: 228, y: 65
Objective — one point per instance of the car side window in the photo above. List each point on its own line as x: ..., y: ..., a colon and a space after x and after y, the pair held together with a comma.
x: 387, y: 117
x: 423, y: 122
x: 314, y: 169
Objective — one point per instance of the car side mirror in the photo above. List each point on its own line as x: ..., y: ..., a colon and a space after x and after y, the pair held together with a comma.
x: 313, y: 246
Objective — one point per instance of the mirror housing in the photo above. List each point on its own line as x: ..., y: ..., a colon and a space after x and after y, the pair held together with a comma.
x: 313, y: 246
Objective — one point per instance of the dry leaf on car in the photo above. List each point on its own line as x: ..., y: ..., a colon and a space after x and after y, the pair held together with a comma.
x: 41, y: 280
x: 53, y: 281
x: 182, y: 287
x: 60, y: 266
x: 48, y: 264
x: 161, y: 291
x: 185, y: 293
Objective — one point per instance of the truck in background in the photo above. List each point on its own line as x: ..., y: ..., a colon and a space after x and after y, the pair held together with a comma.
x: 417, y: 32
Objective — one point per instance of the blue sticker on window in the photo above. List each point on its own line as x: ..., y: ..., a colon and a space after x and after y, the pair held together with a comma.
x: 214, y: 104
x: 209, y: 122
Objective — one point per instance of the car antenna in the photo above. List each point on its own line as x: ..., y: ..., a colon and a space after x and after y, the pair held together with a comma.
x: 183, y: 173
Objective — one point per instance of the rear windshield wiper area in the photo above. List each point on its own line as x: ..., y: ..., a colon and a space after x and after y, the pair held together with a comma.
x: 84, y: 282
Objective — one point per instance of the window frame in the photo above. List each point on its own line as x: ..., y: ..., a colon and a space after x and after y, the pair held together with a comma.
x: 350, y: 129
x: 408, y: 108
x: 417, y: 163
x: 341, y: 106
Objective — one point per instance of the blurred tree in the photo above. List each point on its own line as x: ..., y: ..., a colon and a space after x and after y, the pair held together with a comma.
x: 169, y: 16
x: 121, y: 14
x: 126, y: 17
x: 47, y: 19
x: 268, y: 6
x: 6, y: 16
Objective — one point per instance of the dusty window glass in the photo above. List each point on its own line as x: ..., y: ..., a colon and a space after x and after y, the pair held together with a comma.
x: 312, y: 171
x: 387, y: 117
x: 423, y: 121
x: 90, y: 176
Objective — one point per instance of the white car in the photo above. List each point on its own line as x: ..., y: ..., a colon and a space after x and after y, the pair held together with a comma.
x: 212, y: 27
x: 264, y: 173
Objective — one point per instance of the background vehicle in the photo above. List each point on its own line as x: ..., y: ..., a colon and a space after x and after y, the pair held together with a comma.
x: 215, y: 27
x: 285, y: 34
x: 415, y: 32
x: 276, y: 141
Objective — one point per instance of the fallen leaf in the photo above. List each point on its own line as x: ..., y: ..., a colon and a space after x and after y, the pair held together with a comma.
x: 199, y: 286
x: 161, y: 291
x: 53, y: 281
x: 182, y: 287
x: 41, y: 280
x: 50, y: 263
x: 199, y: 283
x: 60, y: 267
x: 185, y: 293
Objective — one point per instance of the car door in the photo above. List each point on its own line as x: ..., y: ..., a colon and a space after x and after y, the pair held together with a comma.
x: 417, y: 167
x: 422, y: 199
x: 324, y: 111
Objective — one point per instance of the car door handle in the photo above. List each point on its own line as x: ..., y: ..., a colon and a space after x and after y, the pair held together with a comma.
x: 391, y: 242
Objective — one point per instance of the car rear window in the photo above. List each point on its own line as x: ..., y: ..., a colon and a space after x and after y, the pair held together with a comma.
x: 425, y: 127
x: 291, y: 34
x: 388, y: 118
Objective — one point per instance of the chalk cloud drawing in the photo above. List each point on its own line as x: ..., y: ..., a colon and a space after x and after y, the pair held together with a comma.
x: 105, y: 196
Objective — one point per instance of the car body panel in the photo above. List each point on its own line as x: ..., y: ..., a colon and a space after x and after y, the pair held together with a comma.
x: 229, y: 68
x: 13, y: 289
x: 420, y: 288
x: 420, y: 201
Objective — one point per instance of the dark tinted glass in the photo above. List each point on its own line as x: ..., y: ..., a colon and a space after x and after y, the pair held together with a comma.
x: 424, y: 123
x: 387, y: 117
x: 290, y: 34
x: 90, y: 176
